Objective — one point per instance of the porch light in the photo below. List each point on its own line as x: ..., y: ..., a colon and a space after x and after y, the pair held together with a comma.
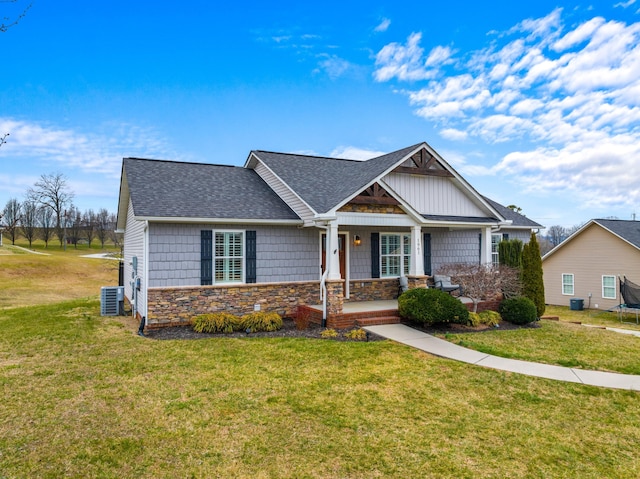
x: 356, y: 240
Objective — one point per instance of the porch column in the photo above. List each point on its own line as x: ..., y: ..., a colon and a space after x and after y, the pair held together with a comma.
x: 416, y: 262
x: 333, y: 257
x: 485, y: 245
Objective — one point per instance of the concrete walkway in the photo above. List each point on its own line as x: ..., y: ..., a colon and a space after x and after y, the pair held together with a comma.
x: 439, y: 347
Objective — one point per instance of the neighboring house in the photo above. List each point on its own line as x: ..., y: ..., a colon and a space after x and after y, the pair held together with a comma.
x: 589, y: 263
x: 289, y: 230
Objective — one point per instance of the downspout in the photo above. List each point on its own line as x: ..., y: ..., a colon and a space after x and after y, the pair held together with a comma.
x: 145, y: 255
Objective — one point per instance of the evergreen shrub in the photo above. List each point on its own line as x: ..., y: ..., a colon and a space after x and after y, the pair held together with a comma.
x: 519, y: 310
x: 215, y: 323
x: 431, y: 306
x: 261, y: 321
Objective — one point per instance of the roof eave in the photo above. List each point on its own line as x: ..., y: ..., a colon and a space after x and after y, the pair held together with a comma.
x: 252, y: 221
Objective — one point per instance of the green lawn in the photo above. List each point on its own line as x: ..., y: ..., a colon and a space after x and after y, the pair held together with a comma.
x: 83, y: 396
x: 563, y: 342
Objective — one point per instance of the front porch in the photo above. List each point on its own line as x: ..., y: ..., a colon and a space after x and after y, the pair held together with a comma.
x: 355, y: 314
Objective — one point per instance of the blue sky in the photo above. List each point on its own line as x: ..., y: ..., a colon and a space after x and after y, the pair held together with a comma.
x: 535, y: 103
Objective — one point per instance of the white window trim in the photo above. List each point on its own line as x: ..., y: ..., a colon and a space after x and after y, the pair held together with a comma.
x: 573, y: 284
x: 402, y: 255
x: 495, y: 255
x: 243, y: 257
x: 615, y: 292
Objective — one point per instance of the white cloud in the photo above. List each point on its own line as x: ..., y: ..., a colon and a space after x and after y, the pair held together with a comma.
x: 334, y: 66
x: 383, y: 26
x: 564, y: 100
x: 453, y: 134
x: 403, y: 62
x: 354, y: 153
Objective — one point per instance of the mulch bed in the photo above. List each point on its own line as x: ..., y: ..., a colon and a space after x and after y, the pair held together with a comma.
x: 314, y: 331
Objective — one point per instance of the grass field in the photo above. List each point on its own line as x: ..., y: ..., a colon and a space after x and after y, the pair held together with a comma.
x: 84, y: 396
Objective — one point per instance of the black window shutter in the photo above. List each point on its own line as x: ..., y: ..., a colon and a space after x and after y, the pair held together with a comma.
x: 375, y: 255
x: 250, y: 252
x: 505, y: 236
x: 479, y: 248
x: 426, y: 248
x: 206, y: 257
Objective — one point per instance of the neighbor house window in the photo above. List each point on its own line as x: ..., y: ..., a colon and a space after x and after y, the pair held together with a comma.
x: 567, y: 284
x: 228, y: 257
x: 609, y: 287
x: 395, y: 254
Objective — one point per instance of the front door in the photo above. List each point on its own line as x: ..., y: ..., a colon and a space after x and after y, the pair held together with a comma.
x: 342, y: 241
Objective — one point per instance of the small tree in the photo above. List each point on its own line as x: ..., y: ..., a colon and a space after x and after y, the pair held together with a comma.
x: 52, y: 191
x: 102, y: 226
x: 482, y: 282
x: 89, y: 220
x: 29, y: 221
x: 12, y: 214
x: 532, y: 282
x: 46, y: 222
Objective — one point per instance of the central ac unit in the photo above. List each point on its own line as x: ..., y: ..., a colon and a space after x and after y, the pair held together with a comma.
x: 111, y: 300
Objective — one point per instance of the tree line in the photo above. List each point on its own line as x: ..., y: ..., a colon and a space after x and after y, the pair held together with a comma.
x: 48, y: 213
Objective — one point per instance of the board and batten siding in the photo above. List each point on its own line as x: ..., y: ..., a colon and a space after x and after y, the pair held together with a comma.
x: 282, y: 253
x: 134, y: 246
x: 295, y: 203
x: 588, y: 256
x: 433, y: 195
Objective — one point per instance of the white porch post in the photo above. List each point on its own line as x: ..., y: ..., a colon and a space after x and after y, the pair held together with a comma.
x: 416, y: 263
x: 485, y: 247
x: 333, y: 258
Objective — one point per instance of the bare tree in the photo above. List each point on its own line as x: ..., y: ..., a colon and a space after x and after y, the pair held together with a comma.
x: 29, y: 223
x: 102, y: 226
x: 89, y: 220
x: 74, y: 225
x: 12, y: 214
x: 3, y: 139
x: 115, y: 236
x: 556, y: 234
x: 482, y: 282
x: 6, y: 23
x: 46, y: 222
x: 53, y: 192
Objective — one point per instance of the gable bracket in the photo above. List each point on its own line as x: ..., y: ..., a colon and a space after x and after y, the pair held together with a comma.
x: 375, y: 195
x: 425, y: 164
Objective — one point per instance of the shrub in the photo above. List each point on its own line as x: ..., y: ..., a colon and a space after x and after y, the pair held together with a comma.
x: 431, y: 306
x: 490, y: 318
x: 518, y: 310
x: 532, y: 280
x: 261, y: 321
x: 215, y: 323
x: 358, y: 334
x: 329, y: 333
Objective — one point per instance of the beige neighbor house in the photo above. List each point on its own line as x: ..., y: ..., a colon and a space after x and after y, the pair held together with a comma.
x: 287, y: 232
x: 589, y: 264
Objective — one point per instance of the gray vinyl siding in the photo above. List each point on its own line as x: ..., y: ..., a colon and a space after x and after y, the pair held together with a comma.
x: 134, y: 246
x: 448, y: 247
x: 283, y: 253
x: 522, y: 235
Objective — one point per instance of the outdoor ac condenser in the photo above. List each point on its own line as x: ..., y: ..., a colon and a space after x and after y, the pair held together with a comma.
x: 111, y: 300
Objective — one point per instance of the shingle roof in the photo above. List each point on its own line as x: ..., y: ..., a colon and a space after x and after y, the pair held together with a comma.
x: 517, y: 219
x: 322, y: 182
x: 626, y: 229
x: 194, y: 190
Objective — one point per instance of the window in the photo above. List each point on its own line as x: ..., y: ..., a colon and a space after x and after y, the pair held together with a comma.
x: 609, y: 287
x: 395, y: 254
x: 567, y: 284
x: 228, y: 257
x: 495, y: 256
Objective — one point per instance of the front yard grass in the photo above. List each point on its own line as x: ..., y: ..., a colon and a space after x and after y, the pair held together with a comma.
x: 83, y: 396
x: 563, y: 342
